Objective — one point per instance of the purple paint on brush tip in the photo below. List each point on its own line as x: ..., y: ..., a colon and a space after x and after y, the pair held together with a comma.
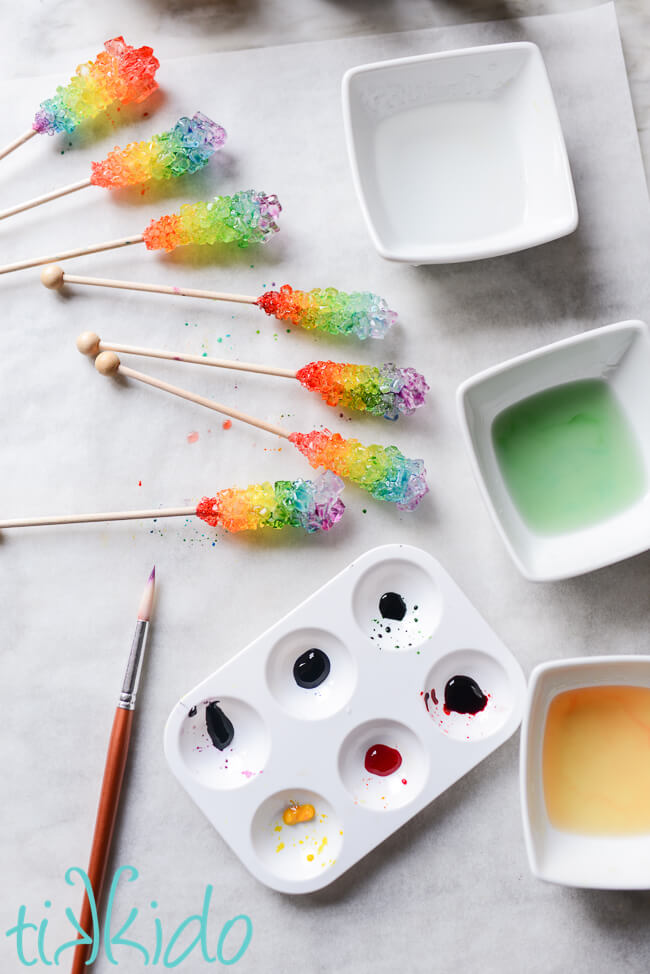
x: 152, y: 576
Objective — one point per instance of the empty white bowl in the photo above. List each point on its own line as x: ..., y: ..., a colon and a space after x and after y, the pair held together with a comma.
x: 573, y: 859
x: 459, y: 155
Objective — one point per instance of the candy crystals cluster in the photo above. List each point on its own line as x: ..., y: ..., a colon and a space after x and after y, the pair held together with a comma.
x: 244, y: 218
x: 381, y: 470
x: 381, y: 390
x: 314, y: 505
x: 361, y: 313
x: 119, y: 73
x: 184, y: 149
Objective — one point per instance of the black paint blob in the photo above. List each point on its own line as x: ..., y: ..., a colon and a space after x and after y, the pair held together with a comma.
x: 218, y: 725
x: 392, y: 606
x: 311, y: 669
x: 464, y: 696
x: 191, y: 712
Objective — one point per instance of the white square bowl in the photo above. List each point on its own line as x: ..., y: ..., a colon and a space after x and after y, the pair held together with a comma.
x: 591, y: 861
x: 459, y: 155
x: 620, y: 355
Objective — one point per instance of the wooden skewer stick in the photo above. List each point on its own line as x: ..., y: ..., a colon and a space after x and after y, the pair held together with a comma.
x: 54, y: 278
x: 30, y: 522
x: 108, y: 363
x: 67, y: 254
x: 45, y: 198
x: 25, y: 137
x: 89, y: 343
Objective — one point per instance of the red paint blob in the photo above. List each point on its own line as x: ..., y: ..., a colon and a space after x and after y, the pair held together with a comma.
x: 382, y: 760
x: 226, y: 424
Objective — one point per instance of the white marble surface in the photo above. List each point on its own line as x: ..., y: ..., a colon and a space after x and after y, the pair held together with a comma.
x: 452, y: 889
x: 40, y: 38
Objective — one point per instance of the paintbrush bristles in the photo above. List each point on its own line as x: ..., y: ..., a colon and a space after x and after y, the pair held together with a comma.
x: 146, y: 602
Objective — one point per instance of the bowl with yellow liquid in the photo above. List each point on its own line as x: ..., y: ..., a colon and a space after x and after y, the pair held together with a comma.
x: 585, y: 772
x: 559, y: 441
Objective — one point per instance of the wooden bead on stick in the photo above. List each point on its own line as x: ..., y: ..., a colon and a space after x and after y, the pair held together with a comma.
x: 107, y: 363
x: 88, y: 343
x: 52, y: 276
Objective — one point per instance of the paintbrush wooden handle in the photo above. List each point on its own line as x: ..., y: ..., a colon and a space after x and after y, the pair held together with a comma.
x: 109, y: 800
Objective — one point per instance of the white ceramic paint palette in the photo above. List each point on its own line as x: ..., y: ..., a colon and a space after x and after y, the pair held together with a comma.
x: 384, y: 692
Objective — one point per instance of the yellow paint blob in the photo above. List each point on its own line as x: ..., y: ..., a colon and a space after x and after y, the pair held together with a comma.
x: 310, y: 857
x: 298, y: 813
x: 596, y: 760
x: 280, y: 847
x: 322, y: 845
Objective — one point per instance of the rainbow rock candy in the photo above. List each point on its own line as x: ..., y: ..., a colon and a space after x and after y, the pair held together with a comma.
x: 314, y: 505
x: 360, y: 313
x: 184, y: 149
x: 244, y: 218
x: 118, y: 73
x: 382, y: 390
x: 381, y: 470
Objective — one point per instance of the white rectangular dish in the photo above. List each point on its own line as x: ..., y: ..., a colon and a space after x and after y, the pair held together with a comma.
x: 385, y: 687
x: 619, y: 354
x: 458, y: 155
x: 568, y: 858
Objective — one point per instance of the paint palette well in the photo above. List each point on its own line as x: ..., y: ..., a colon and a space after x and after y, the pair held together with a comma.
x: 363, y: 741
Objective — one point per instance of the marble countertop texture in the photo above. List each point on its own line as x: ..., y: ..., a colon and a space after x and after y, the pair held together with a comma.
x: 41, y: 38
x: 51, y: 36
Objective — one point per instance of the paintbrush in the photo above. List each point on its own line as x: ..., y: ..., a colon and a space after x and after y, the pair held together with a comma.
x: 118, y: 749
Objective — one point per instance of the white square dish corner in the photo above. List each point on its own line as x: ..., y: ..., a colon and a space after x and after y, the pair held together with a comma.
x: 567, y: 858
x: 458, y: 155
x: 619, y: 354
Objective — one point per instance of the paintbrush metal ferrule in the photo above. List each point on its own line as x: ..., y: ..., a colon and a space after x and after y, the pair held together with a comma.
x: 134, y: 666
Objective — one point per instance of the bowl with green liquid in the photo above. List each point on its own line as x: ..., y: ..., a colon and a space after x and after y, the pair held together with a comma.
x: 559, y: 440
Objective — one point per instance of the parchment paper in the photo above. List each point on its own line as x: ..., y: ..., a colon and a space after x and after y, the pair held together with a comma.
x: 452, y: 889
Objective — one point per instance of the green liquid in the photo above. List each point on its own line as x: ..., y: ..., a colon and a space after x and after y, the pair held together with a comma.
x: 568, y: 456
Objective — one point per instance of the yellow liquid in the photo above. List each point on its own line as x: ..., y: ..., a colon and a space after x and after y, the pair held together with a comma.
x: 596, y: 760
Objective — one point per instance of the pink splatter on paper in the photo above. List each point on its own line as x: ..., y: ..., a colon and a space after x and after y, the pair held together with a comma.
x: 192, y: 437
